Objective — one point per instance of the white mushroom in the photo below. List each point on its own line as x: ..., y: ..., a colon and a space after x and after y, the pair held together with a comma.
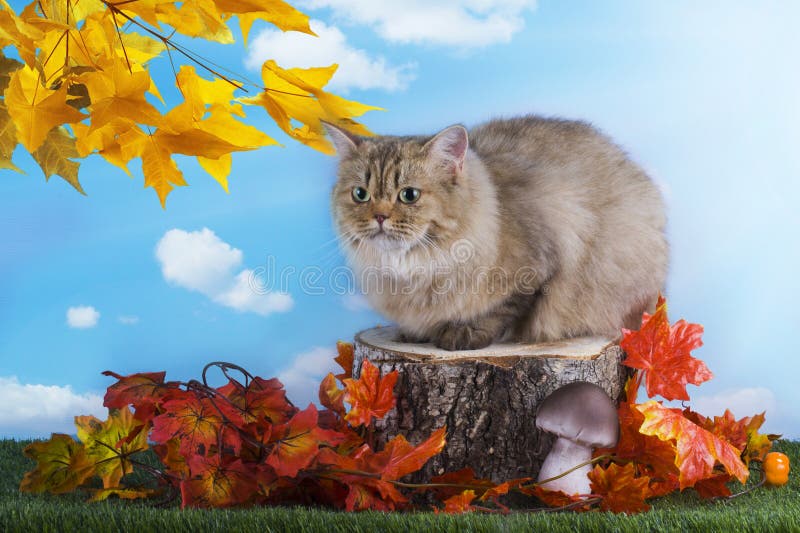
x: 583, y: 417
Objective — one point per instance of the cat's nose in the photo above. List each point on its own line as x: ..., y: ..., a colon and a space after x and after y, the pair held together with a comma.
x: 380, y: 219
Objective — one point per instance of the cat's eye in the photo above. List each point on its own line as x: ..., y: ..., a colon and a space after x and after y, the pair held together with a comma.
x: 409, y: 195
x: 360, y: 194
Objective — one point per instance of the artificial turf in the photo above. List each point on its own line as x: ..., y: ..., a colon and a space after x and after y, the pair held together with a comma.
x: 762, y: 510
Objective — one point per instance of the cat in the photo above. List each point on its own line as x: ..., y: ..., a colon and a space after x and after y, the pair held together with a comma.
x: 527, y: 229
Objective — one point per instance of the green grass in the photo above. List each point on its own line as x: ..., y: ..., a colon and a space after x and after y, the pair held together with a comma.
x: 761, y: 510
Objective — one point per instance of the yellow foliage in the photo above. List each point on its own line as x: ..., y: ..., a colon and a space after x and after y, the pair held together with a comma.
x: 296, y: 94
x: 106, y: 444
x: 84, y: 88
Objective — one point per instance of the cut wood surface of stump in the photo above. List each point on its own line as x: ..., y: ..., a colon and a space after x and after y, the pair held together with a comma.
x: 487, y: 398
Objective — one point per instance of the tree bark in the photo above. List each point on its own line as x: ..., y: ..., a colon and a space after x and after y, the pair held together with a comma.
x: 487, y: 398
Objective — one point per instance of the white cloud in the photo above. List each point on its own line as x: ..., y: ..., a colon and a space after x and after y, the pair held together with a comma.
x: 128, y: 320
x: 357, y: 69
x: 28, y: 410
x: 461, y: 23
x: 197, y: 260
x: 202, y: 262
x: 82, y: 317
x: 355, y: 302
x: 245, y: 295
x: 741, y: 402
x: 303, y: 377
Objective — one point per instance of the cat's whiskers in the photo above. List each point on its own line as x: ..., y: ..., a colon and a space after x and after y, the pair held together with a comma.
x: 343, y: 241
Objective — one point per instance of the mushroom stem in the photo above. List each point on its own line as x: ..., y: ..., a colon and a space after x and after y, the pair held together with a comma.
x: 564, y: 455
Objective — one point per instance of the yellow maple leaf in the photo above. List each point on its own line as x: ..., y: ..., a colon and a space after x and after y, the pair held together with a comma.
x: 36, y: 109
x: 17, y: 32
x: 8, y: 140
x: 68, y: 11
x: 147, y: 10
x: 100, y: 35
x: 108, y: 444
x: 62, y: 465
x: 196, y: 18
x: 201, y: 92
x: 160, y: 171
x: 219, y: 168
x: 297, y: 94
x: 115, y: 92
x: 104, y: 141
x: 276, y: 12
x: 55, y: 155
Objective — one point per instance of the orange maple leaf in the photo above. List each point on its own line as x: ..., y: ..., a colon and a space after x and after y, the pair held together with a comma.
x: 622, y: 491
x: 555, y: 498
x: 663, y: 353
x: 297, y: 442
x: 649, y: 450
x: 370, y: 395
x: 400, y: 457
x: 465, y: 478
x: 330, y: 395
x: 345, y: 359
x: 460, y: 503
x: 698, y: 449
x: 217, y: 482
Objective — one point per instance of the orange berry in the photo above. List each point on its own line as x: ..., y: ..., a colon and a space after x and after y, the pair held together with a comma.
x: 776, y: 468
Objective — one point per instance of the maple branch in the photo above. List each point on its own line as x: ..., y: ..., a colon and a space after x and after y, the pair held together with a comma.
x: 166, y: 40
x: 587, y: 502
x: 224, y: 367
x: 66, y: 52
x: 718, y: 499
x: 576, y: 467
x: 154, y: 471
x: 121, y: 42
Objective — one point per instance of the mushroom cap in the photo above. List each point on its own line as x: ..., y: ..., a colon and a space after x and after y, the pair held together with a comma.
x: 581, y: 412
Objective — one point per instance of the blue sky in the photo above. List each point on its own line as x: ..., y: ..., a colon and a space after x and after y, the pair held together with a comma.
x: 705, y: 96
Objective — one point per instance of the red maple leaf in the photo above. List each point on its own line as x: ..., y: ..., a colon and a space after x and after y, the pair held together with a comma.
x: 143, y: 391
x: 370, y: 395
x: 622, y: 491
x: 296, y: 443
x: 364, y: 491
x: 196, y: 423
x: 345, y: 359
x: 714, y: 487
x: 262, y: 400
x: 217, y: 482
x: 663, y: 353
x: 698, y: 449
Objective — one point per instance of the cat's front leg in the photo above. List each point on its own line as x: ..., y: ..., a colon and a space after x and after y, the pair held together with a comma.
x: 480, y: 332
x: 462, y: 336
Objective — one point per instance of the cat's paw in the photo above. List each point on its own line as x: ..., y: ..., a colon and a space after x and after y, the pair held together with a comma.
x: 462, y: 337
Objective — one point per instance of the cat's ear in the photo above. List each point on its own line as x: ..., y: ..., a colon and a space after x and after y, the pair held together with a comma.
x: 449, y: 146
x: 344, y: 141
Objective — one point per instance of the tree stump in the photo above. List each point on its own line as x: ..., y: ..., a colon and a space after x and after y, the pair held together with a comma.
x: 487, y: 398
